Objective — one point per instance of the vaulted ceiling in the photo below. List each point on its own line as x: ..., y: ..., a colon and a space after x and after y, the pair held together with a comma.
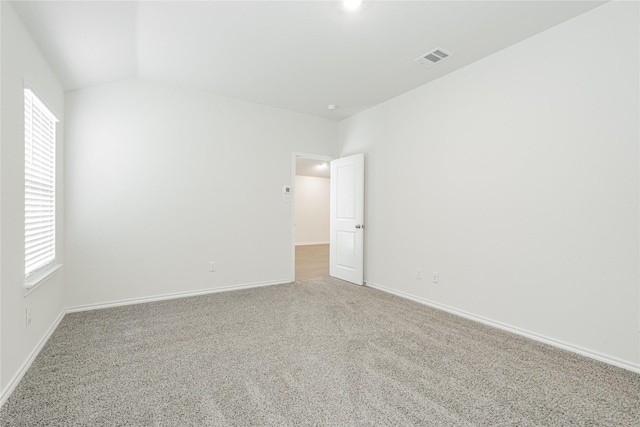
x: 296, y: 55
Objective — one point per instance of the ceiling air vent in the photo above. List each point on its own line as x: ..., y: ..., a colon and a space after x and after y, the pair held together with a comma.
x: 430, y: 59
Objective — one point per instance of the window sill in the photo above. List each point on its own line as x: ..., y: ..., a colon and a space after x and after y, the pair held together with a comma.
x: 34, y: 282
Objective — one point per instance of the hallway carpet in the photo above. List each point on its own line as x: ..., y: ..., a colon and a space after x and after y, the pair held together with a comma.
x: 317, y: 352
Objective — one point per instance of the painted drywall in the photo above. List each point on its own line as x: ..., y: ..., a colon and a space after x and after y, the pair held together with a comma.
x: 161, y: 181
x: 312, y: 210
x: 22, y: 59
x: 516, y: 178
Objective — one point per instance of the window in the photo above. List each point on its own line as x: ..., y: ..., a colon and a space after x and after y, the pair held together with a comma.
x: 39, y: 185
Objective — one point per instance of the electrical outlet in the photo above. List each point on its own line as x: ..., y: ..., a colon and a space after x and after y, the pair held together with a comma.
x: 212, y: 266
x: 418, y: 273
x: 28, y: 315
x: 435, y: 277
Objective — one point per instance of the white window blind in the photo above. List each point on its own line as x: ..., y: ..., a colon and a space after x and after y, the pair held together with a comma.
x: 39, y: 180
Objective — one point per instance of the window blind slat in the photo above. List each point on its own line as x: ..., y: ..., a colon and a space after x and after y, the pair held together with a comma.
x: 38, y: 218
x: 40, y: 196
x: 40, y: 191
x: 38, y: 237
x: 39, y: 134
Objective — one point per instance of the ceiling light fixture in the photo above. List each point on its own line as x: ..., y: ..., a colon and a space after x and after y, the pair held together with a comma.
x: 331, y: 107
x: 351, y: 4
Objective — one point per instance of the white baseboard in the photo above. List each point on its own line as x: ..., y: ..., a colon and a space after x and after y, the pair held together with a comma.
x: 312, y: 243
x: 532, y: 335
x: 175, y: 295
x: 27, y: 363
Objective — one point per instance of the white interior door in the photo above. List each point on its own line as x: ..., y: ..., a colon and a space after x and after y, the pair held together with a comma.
x: 346, y: 259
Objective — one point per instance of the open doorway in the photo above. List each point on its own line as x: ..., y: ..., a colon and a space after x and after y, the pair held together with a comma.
x: 311, y: 216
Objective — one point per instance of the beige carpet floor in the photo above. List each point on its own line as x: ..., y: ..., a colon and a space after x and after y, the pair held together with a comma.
x: 318, y: 352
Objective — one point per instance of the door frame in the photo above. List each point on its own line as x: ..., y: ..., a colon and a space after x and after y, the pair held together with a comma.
x: 298, y: 155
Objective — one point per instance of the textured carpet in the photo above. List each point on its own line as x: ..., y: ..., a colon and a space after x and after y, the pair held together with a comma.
x: 320, y: 352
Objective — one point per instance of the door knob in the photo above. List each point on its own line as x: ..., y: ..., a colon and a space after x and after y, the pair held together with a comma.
x: 358, y: 226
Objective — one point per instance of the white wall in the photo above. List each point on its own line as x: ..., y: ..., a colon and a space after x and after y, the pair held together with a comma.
x: 516, y: 178
x: 312, y: 210
x: 160, y: 181
x: 22, y: 59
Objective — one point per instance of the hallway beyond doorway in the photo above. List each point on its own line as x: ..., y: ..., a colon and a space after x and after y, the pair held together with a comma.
x: 312, y: 261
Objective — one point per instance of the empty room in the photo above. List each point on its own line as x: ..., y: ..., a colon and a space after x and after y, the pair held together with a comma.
x: 319, y: 213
